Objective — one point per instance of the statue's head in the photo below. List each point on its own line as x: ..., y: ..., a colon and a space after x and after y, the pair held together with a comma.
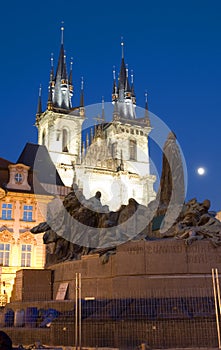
x: 98, y: 195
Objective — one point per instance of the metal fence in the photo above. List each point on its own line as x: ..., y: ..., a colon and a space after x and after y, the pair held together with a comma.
x: 183, y: 318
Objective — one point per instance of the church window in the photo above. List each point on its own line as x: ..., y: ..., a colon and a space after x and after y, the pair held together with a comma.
x: 26, y: 250
x: 28, y: 213
x: 4, y: 254
x: 43, y: 138
x: 6, y: 211
x: 64, y: 140
x: 133, y: 150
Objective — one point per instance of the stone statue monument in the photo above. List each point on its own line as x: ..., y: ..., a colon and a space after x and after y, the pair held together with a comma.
x: 77, y: 226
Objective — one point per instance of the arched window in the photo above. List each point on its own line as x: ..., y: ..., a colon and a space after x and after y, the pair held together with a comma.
x: 133, y: 150
x: 64, y: 140
x: 43, y: 138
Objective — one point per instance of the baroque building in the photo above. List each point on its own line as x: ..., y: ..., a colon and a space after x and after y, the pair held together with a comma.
x: 112, y: 156
x: 23, y: 204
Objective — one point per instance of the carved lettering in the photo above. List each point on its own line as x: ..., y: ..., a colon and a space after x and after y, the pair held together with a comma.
x: 203, y: 259
x: 135, y: 250
x: 163, y: 249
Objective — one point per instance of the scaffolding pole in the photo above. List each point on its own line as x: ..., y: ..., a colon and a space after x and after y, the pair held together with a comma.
x: 78, y: 311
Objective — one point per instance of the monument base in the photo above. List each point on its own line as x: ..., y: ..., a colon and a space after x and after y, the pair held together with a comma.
x: 154, y: 292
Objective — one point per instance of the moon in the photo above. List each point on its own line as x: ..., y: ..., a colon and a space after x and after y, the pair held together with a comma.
x: 201, y: 171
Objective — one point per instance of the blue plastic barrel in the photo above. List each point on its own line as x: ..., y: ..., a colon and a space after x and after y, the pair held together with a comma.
x: 31, y: 316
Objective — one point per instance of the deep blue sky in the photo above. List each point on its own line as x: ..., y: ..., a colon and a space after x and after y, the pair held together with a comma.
x: 174, y: 48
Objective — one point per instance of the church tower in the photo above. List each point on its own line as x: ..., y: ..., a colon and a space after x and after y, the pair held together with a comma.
x: 131, y: 138
x: 111, y: 157
x: 116, y: 162
x: 123, y: 94
x: 59, y: 126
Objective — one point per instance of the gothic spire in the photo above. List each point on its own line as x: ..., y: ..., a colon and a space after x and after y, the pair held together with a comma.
x: 52, y: 68
x: 122, y: 76
x: 62, y: 84
x: 61, y: 66
x: 123, y: 94
x: 103, y: 114
x: 132, y: 82
x: 70, y: 79
x: 127, y: 85
x: 146, y: 115
x: 39, y: 107
x: 114, y: 91
x: 64, y: 72
x: 50, y: 97
x: 82, y: 93
x: 70, y: 83
x: 146, y: 104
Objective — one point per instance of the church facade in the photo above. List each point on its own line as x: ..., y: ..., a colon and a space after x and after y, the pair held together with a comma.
x: 112, y: 156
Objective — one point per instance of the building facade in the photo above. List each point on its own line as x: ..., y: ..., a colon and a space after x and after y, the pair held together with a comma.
x: 111, y: 157
x: 23, y: 204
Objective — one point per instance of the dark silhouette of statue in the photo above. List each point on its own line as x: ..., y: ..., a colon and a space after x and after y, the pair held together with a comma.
x: 171, y: 194
x: 77, y: 226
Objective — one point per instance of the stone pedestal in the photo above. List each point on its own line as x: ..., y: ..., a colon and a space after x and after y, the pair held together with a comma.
x: 157, y: 292
x: 138, y: 268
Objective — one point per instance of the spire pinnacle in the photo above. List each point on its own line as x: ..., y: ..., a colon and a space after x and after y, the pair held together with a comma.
x: 82, y: 93
x: 114, y: 91
x: 122, y: 47
x: 62, y: 32
x: 146, y: 100
x: 52, y: 68
x: 52, y: 60
x: 70, y: 74
x: 114, y: 73
x: 122, y: 77
x: 146, y: 116
x: 39, y: 108
x: 50, y: 103
x: 126, y: 70
x: 71, y: 63
x: 132, y: 76
x: 103, y: 115
x: 127, y: 86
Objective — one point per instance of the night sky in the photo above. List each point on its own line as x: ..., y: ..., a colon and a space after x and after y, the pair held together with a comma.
x: 173, y: 47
